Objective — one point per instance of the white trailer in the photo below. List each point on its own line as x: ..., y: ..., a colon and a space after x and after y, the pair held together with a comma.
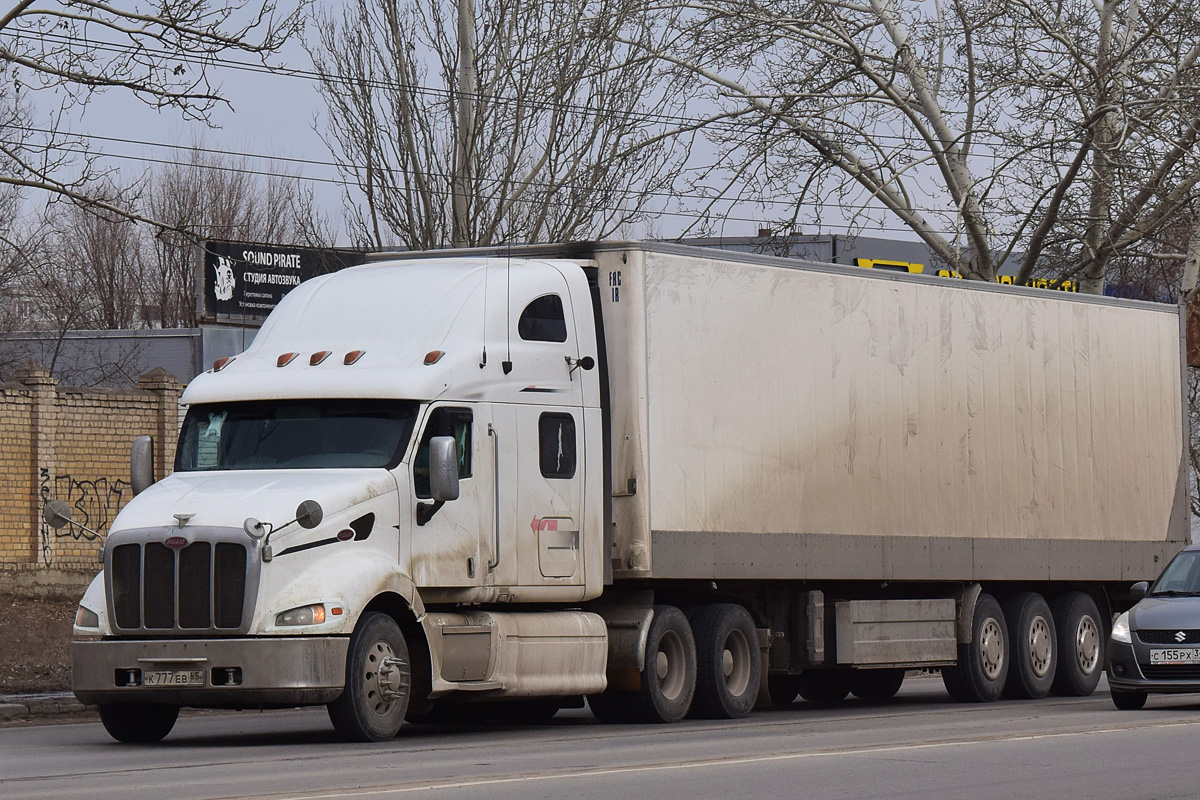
x: 665, y: 478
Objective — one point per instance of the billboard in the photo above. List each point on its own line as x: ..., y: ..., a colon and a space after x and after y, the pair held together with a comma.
x: 245, y: 281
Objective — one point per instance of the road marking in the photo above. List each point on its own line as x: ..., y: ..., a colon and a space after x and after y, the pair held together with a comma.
x: 719, y: 762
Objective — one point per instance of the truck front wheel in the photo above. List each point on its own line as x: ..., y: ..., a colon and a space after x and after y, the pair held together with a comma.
x: 378, y: 678
x: 982, y: 667
x: 138, y: 722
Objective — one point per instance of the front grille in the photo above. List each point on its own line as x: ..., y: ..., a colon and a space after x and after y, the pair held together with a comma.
x: 1168, y: 636
x: 199, y: 587
x: 1177, y: 672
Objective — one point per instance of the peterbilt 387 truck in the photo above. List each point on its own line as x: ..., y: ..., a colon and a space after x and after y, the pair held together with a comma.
x: 666, y: 479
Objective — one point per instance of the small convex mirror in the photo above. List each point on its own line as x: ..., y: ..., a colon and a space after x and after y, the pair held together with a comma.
x: 309, y: 514
x: 56, y: 514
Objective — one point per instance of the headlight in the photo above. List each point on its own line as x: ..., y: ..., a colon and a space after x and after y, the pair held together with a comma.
x: 304, y: 615
x: 1120, y: 629
x: 86, y: 618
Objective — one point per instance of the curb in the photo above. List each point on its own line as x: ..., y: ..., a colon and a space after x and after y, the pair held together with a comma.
x: 23, y: 707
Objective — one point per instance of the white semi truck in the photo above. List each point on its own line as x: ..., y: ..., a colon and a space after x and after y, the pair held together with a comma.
x: 670, y: 480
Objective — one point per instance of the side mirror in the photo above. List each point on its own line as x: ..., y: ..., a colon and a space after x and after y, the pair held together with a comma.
x: 141, y: 464
x: 443, y: 468
x: 1139, y: 590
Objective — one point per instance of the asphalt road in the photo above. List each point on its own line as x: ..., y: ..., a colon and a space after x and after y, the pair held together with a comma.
x: 919, y: 745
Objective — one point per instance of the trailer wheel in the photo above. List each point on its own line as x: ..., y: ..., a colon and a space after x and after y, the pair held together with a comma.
x: 378, y: 678
x: 982, y: 667
x: 1080, y: 645
x: 139, y: 723
x: 825, y: 685
x: 876, y: 684
x: 669, y: 672
x: 728, y: 662
x: 784, y: 688
x: 1128, y: 701
x: 1033, y: 645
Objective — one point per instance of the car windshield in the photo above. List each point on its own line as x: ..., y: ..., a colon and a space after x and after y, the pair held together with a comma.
x: 295, y: 434
x: 1181, y: 577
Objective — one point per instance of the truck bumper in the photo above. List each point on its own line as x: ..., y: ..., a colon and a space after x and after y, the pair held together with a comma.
x: 236, y: 673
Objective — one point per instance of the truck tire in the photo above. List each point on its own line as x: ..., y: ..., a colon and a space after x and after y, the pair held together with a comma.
x: 825, y: 685
x: 784, y: 688
x: 669, y: 672
x: 1033, y: 645
x: 378, y: 677
x: 1080, y: 645
x: 982, y: 667
x: 1128, y: 701
x: 728, y: 662
x: 876, y: 684
x: 139, y: 723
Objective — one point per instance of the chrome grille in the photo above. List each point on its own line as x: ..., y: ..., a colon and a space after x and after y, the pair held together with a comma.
x: 1169, y: 636
x: 199, y: 588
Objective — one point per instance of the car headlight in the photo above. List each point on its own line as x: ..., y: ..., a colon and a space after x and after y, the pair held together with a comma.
x: 1120, y: 629
x: 86, y: 618
x: 304, y: 615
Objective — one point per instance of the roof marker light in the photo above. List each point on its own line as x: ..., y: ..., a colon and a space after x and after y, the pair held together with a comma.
x: 222, y: 363
x: 352, y: 356
x: 432, y: 357
x: 285, y: 359
x: 318, y: 357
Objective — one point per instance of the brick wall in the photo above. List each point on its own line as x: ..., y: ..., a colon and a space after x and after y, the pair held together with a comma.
x: 73, y: 444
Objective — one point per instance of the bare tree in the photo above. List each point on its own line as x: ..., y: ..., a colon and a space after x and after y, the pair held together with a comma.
x: 546, y: 135
x: 993, y: 129
x: 67, y: 51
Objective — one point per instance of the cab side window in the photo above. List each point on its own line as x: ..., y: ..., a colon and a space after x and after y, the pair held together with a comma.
x: 556, y: 445
x: 543, y: 320
x: 454, y: 422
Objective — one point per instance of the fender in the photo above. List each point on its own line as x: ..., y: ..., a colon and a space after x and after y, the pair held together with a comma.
x: 348, y: 579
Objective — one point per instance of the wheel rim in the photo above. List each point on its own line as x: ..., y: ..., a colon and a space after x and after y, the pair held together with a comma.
x: 669, y: 665
x: 385, y: 681
x: 1087, y: 645
x: 1040, y: 647
x: 991, y: 648
x: 735, y: 663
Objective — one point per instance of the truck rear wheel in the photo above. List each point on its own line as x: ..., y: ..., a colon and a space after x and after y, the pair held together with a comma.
x: 1033, y: 644
x: 378, y: 678
x: 825, y: 685
x: 728, y: 661
x: 1080, y: 645
x: 876, y: 684
x: 138, y: 722
x: 669, y: 672
x: 982, y: 667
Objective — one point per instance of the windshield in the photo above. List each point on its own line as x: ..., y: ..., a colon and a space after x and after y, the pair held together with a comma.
x: 1182, y: 575
x: 295, y: 434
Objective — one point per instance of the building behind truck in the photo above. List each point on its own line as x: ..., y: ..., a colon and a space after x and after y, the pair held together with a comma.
x: 669, y: 479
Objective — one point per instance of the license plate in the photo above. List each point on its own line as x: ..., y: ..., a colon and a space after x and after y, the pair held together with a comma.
x: 173, y: 677
x: 1175, y: 655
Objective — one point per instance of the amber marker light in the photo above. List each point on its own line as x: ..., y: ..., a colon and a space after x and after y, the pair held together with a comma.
x: 352, y: 356
x: 285, y: 359
x: 336, y: 611
x: 432, y: 357
x: 222, y: 363
x: 318, y: 357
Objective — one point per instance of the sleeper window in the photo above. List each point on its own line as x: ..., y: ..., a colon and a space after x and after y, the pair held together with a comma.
x: 556, y: 445
x: 543, y: 320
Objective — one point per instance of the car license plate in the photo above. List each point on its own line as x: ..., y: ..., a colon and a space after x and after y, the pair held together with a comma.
x: 1175, y: 655
x: 173, y: 677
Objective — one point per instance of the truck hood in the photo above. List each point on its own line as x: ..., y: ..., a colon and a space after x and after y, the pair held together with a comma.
x: 226, y: 499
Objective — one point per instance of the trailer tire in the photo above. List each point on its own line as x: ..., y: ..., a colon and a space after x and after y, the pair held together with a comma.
x: 1128, y: 701
x: 669, y: 672
x: 982, y: 667
x: 1032, y: 645
x: 784, y: 688
x: 1080, y: 645
x: 825, y: 685
x: 378, y: 682
x: 138, y: 723
x: 876, y: 684
x: 728, y: 662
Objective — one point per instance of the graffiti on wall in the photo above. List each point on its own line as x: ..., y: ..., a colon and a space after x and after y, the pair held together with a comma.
x: 94, y: 504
